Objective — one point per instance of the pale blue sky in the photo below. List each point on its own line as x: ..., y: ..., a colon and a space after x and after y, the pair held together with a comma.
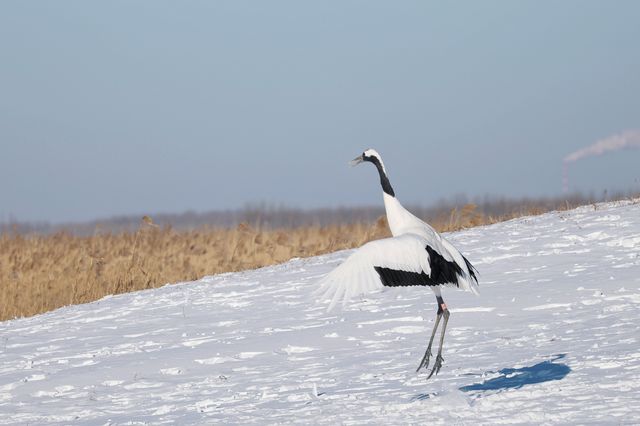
x: 121, y: 107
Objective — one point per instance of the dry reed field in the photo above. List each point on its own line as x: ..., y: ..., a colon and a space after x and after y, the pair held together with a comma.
x: 39, y: 273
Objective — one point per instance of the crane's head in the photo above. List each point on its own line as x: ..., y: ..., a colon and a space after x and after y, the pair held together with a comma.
x: 370, y: 155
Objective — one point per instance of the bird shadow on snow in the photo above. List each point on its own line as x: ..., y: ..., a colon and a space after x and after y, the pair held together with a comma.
x: 515, y: 378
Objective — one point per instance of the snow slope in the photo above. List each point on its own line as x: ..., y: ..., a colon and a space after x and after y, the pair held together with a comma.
x: 553, y: 338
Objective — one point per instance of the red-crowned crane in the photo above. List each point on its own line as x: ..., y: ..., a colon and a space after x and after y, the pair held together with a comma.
x: 416, y: 255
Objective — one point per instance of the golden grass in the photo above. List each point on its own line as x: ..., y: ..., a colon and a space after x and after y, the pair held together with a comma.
x: 40, y: 273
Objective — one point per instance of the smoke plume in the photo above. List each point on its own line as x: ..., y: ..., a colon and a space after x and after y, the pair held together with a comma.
x: 628, y: 139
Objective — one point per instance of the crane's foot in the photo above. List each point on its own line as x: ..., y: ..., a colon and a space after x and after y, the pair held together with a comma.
x: 436, y: 366
x: 425, y: 359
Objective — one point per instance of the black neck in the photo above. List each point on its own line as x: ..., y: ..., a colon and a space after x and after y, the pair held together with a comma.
x: 384, y: 180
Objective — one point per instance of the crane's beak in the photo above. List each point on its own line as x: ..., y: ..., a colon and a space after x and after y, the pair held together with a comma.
x: 356, y: 161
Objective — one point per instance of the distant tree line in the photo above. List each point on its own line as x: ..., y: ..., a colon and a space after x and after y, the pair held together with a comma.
x: 266, y: 216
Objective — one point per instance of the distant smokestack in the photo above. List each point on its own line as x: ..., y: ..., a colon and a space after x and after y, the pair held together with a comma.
x: 628, y: 139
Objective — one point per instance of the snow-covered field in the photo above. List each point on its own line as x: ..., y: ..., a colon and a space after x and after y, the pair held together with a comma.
x: 553, y: 338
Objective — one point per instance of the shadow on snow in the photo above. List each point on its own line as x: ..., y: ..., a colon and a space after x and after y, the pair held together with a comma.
x: 515, y: 378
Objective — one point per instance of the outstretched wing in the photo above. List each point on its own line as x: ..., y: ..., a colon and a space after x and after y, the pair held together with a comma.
x: 397, y: 261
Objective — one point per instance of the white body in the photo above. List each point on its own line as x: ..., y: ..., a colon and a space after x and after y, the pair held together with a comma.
x: 401, y: 222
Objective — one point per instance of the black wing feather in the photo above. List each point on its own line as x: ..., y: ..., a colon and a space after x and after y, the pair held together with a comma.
x: 442, y: 272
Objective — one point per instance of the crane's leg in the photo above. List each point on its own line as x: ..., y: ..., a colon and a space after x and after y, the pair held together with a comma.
x: 427, y: 354
x: 445, y: 313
